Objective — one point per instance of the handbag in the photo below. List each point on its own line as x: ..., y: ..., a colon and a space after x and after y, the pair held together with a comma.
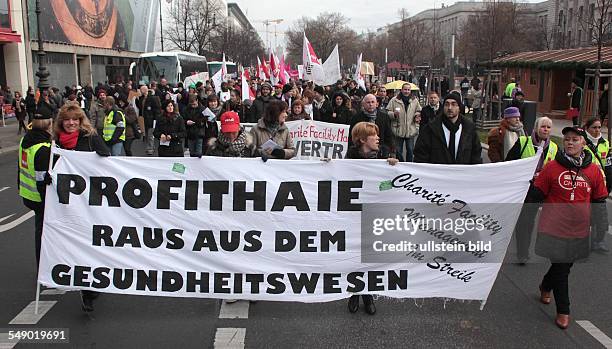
x: 573, y: 113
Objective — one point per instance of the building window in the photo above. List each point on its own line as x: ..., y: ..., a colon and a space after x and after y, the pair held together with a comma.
x: 533, y: 77
x: 5, y: 16
x: 560, y: 24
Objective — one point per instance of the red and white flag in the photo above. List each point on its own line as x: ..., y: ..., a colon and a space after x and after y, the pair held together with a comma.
x: 274, y: 69
x: 283, y: 75
x: 247, y: 92
x: 224, y: 69
x: 260, y: 72
x: 266, y: 71
x: 312, y: 66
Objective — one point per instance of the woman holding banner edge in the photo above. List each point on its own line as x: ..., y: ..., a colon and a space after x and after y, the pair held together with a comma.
x: 73, y: 131
x: 366, y: 145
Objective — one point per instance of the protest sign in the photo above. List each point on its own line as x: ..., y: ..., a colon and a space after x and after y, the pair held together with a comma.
x: 318, y: 140
x: 195, y: 78
x: 243, y: 228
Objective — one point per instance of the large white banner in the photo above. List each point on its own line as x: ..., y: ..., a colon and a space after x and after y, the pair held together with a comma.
x: 276, y: 230
x: 318, y: 140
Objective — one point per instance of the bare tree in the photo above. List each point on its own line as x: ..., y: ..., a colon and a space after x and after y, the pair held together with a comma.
x: 503, y: 27
x: 408, y: 38
x: 597, y: 24
x: 206, y: 25
x: 178, y: 29
x: 239, y: 45
x: 324, y: 32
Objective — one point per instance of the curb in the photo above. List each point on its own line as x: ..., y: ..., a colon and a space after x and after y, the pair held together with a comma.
x: 9, y: 149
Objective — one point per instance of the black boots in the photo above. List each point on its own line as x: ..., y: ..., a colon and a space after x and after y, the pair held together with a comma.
x: 368, y: 302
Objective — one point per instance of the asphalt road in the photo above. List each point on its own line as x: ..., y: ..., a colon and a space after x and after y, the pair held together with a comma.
x: 512, y: 318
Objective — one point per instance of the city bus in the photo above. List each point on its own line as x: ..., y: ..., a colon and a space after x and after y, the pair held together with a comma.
x: 173, y: 66
x: 232, y: 68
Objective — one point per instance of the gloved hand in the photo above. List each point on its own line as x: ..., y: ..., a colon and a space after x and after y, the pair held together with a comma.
x: 48, y: 180
x: 278, y: 153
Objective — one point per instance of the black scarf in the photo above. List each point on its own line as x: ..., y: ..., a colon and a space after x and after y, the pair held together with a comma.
x: 453, y: 128
x: 405, y: 99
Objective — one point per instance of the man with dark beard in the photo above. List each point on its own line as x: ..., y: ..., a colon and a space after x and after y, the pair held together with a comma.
x: 260, y: 104
x: 449, y: 138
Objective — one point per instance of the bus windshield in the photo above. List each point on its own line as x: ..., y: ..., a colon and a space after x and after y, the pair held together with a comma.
x: 157, y: 67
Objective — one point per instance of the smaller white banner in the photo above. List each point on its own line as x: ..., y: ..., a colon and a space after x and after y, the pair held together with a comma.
x: 318, y: 140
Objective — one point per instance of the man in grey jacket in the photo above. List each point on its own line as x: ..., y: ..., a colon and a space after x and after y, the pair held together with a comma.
x: 405, y: 112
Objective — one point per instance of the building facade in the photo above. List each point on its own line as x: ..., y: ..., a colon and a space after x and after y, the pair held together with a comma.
x: 572, y: 23
x: 85, y: 41
x: 443, y: 22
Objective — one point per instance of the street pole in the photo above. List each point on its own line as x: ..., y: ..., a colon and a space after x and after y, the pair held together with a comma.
x: 451, y: 74
x: 161, y: 26
x: 42, y: 73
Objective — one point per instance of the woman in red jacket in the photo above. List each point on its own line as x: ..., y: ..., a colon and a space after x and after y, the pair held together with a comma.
x: 570, y: 186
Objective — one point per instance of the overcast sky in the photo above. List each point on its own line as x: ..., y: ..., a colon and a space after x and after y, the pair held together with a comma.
x: 363, y: 15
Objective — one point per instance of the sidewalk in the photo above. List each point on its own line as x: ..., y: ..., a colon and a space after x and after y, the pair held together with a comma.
x: 9, y: 140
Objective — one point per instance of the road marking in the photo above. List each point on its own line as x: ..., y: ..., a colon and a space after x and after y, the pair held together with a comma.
x: 16, y: 222
x: 596, y: 333
x: 3, y: 189
x: 230, y: 338
x: 6, y: 343
x: 52, y: 292
x: 27, y: 316
x: 6, y: 217
x: 237, y: 310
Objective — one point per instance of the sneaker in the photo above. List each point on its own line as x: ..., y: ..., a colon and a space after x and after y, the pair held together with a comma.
x: 600, y: 247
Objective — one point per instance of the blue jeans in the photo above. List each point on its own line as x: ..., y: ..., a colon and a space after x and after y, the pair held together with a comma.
x: 195, y: 147
x: 116, y: 149
x: 399, y: 148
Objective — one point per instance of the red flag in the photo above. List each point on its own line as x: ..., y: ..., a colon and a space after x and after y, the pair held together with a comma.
x: 265, y: 69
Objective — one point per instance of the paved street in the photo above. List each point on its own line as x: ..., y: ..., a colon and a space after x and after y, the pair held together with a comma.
x: 512, y: 317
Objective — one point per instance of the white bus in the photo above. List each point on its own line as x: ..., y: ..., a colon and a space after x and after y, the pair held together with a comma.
x: 174, y: 66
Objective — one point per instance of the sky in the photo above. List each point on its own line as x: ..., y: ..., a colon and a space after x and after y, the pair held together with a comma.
x: 363, y: 15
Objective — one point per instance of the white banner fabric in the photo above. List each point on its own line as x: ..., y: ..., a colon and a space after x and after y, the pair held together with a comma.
x: 242, y: 228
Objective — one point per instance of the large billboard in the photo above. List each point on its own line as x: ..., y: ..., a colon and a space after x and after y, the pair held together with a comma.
x: 115, y: 24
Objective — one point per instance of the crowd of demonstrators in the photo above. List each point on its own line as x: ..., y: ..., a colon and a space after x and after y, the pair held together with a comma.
x: 383, y: 124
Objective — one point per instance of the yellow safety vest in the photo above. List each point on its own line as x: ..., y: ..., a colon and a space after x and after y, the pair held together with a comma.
x: 109, y: 127
x: 603, y: 149
x: 27, y: 174
x: 528, y: 150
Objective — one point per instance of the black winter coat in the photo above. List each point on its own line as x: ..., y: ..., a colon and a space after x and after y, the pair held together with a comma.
x: 431, y: 146
x: 384, y: 128
x: 428, y: 113
x: 258, y: 109
x: 196, y: 130
x: 175, y: 127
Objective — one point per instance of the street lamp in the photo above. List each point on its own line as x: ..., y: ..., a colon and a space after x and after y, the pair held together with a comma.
x: 42, y: 72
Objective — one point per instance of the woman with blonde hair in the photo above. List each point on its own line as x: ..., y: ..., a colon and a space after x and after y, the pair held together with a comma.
x: 366, y: 145
x: 73, y: 131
